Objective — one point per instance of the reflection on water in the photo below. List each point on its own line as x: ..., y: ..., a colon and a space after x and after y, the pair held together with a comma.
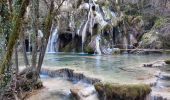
x: 117, y: 68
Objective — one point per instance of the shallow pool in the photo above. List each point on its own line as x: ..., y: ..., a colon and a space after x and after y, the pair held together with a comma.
x: 110, y: 68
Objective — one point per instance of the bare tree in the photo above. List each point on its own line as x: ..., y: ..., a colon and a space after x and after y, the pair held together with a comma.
x: 47, y: 28
x: 22, y: 41
x: 16, y: 58
x: 35, y: 16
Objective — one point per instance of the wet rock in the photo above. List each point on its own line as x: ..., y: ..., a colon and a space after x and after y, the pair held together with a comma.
x: 164, y: 76
x: 69, y: 74
x: 84, y: 93
x: 75, y: 92
x: 167, y: 61
x: 89, y: 50
x: 155, y: 64
x: 147, y: 65
x: 158, y: 97
x: 110, y: 91
x: 163, y: 83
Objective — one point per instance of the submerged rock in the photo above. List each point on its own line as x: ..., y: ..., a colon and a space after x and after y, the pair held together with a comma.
x: 155, y: 64
x: 122, y: 92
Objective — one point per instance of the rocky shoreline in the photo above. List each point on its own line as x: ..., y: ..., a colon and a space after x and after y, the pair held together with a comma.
x: 161, y: 89
x: 72, y: 76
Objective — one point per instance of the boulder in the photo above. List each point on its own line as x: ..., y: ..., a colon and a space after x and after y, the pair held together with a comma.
x: 167, y: 61
x: 122, y: 92
x: 84, y: 93
x: 158, y: 37
x: 155, y: 64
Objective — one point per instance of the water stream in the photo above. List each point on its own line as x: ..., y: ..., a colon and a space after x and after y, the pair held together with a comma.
x: 162, y: 88
x: 98, y: 45
x: 51, y: 47
x: 92, y: 19
x: 86, y: 26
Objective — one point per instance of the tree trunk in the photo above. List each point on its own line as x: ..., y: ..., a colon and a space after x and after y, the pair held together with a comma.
x: 16, y: 58
x: 17, y: 22
x: 35, y: 15
x: 47, y: 30
x: 24, y: 48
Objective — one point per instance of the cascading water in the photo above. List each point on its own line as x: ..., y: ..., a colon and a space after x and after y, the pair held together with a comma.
x: 125, y: 44
x: 85, y: 26
x: 98, y: 45
x: 91, y: 20
x: 51, y: 47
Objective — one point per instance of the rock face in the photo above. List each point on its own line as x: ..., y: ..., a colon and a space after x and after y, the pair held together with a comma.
x: 123, y: 24
x: 167, y: 61
x: 158, y: 37
x: 122, y: 92
x: 129, y: 28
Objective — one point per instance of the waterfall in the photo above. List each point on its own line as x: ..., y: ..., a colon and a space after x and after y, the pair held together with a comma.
x: 85, y: 26
x: 132, y: 40
x: 113, y: 13
x: 98, y: 45
x: 125, y: 44
x: 51, y: 47
x: 91, y: 19
x: 88, y: 92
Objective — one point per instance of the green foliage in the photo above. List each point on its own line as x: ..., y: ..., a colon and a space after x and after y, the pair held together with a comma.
x: 89, y: 50
x: 159, y: 22
x: 5, y: 67
x: 5, y: 20
x: 115, y: 52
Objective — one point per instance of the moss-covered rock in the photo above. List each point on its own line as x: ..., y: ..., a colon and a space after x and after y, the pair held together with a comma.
x: 122, y: 92
x: 116, y: 51
x: 151, y: 40
x: 89, y: 50
x: 167, y: 61
x: 158, y: 37
x: 38, y: 84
